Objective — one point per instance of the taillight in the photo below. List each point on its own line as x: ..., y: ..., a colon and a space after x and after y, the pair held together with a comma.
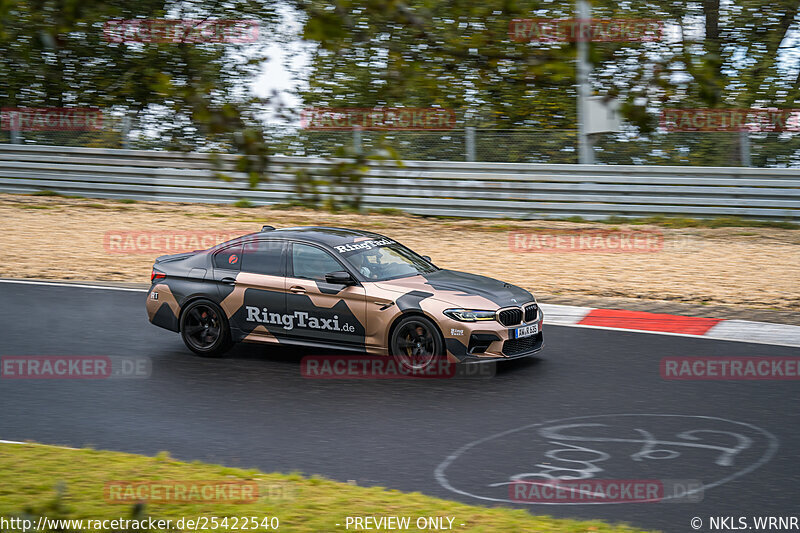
x: 155, y: 274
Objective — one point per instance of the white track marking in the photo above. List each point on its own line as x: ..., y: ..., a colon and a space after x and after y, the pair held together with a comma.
x: 441, y: 477
x: 35, y: 444
x: 746, y: 331
x: 564, y: 315
x: 725, y: 330
x: 738, y: 338
x: 78, y: 285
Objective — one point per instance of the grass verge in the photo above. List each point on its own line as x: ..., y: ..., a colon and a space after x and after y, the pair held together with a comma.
x: 684, y: 222
x: 676, y: 222
x: 69, y: 484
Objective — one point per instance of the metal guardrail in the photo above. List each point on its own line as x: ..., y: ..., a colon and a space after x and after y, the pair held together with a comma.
x: 514, y: 190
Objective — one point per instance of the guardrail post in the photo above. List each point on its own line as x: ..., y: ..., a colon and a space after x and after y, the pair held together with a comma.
x: 126, y: 131
x: 14, y: 121
x: 744, y: 148
x: 469, y: 143
x: 357, y: 148
x: 583, y: 68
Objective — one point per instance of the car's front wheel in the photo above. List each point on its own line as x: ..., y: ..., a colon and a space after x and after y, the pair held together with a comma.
x: 204, y: 329
x: 416, y: 343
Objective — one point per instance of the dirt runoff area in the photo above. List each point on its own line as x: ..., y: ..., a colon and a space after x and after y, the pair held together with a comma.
x: 110, y: 240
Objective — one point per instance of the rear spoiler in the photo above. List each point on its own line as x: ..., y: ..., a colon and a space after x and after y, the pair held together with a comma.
x: 175, y: 257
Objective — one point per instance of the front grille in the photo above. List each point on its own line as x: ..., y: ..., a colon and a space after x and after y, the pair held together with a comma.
x: 510, y: 317
x: 519, y: 346
x: 531, y: 312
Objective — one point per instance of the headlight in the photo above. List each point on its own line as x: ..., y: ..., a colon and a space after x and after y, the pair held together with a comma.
x: 469, y: 315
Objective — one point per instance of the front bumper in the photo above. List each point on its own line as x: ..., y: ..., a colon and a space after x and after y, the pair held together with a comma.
x: 531, y: 346
x: 477, y: 342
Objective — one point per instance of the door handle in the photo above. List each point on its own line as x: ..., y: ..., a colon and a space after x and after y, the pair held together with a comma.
x: 228, y: 281
x: 297, y: 289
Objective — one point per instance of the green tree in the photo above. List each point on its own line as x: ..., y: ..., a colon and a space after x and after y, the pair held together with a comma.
x: 54, y: 53
x: 458, y: 54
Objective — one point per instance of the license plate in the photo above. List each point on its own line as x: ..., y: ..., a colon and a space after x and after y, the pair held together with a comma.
x: 525, y: 331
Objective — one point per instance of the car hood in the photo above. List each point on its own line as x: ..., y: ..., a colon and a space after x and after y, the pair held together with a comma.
x: 462, y: 289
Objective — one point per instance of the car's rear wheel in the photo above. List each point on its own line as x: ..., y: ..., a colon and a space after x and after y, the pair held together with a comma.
x: 204, y: 329
x: 416, y: 343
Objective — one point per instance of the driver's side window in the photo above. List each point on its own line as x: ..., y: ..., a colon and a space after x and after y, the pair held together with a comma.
x: 310, y: 262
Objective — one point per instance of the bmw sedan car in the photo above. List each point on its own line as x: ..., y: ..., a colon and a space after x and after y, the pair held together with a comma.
x: 342, y: 289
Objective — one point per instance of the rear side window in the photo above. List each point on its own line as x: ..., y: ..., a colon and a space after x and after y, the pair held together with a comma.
x: 263, y: 257
x: 229, y: 258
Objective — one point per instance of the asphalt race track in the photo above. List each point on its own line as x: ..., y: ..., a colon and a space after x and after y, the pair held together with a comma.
x: 739, y: 440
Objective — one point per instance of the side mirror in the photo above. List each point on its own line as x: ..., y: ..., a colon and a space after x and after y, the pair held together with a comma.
x: 427, y: 258
x: 340, y: 277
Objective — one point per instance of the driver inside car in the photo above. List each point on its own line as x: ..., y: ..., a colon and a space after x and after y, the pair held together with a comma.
x: 368, y: 263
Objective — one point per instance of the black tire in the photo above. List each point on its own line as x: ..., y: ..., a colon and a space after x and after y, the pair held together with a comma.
x: 204, y: 329
x: 416, y: 343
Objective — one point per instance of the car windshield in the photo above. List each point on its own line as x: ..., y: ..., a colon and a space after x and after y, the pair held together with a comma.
x: 377, y: 261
